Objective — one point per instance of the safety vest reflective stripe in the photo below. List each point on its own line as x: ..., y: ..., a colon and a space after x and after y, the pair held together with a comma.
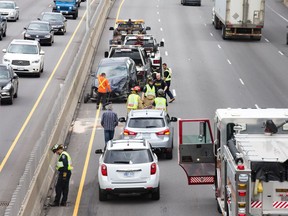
x: 168, y: 78
x: 132, y: 101
x: 160, y: 103
x: 60, y: 163
x: 150, y: 91
x: 101, y: 83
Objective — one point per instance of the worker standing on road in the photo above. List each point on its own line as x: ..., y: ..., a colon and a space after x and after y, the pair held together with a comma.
x: 159, y: 84
x: 109, y: 121
x: 149, y: 93
x: 103, y: 88
x: 134, y: 101
x: 160, y: 102
x: 64, y: 167
x: 167, y: 78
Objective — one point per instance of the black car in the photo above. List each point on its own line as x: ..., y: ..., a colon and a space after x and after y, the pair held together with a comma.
x: 121, y: 74
x: 56, y: 20
x: 40, y: 31
x: 8, y: 84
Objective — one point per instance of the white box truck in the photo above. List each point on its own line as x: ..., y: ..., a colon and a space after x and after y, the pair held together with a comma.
x: 239, y: 18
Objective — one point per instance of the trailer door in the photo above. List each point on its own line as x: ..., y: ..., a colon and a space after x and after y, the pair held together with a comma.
x: 196, y: 151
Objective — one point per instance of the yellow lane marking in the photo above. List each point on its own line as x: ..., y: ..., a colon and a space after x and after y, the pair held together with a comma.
x: 118, y: 12
x: 84, y: 173
x: 38, y: 99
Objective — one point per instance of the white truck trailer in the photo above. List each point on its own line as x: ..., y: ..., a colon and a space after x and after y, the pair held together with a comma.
x: 246, y: 159
x: 239, y: 18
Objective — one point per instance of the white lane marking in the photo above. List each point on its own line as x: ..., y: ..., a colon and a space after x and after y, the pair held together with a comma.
x: 219, y: 46
x: 166, y: 53
x: 280, y: 53
x: 229, y: 61
x: 158, y: 12
x: 277, y: 13
x: 241, y: 81
x: 159, y: 20
x: 23, y: 32
x: 174, y: 92
x: 161, y: 29
x: 157, y: 6
x: 211, y: 34
x: 267, y: 40
x: 163, y: 40
x: 257, y: 106
x: 205, y: 24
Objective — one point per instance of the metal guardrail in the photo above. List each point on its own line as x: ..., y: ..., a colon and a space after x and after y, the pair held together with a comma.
x: 41, y: 152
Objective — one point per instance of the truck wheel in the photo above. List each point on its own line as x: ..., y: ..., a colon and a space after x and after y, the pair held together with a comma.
x: 169, y: 155
x: 75, y: 15
x: 224, y: 33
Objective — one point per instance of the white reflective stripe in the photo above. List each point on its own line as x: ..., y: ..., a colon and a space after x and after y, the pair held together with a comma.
x: 150, y: 91
x: 60, y: 164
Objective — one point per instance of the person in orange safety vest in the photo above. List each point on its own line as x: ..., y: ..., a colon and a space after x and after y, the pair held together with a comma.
x: 103, y: 88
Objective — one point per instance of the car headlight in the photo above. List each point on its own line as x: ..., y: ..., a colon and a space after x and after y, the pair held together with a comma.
x: 70, y: 8
x: 11, y: 13
x: 58, y: 7
x: 7, y: 86
x: 36, y: 61
x: 47, y: 36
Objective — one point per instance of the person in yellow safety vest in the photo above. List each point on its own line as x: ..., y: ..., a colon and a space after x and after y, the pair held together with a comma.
x: 167, y: 78
x: 134, y: 101
x: 149, y: 93
x: 64, y: 167
x: 160, y: 102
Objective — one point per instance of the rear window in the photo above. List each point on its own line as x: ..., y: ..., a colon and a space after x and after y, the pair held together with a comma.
x: 136, y: 156
x: 146, y: 123
x: 133, y: 54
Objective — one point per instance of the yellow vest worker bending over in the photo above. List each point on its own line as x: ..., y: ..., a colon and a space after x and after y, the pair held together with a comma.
x: 160, y: 102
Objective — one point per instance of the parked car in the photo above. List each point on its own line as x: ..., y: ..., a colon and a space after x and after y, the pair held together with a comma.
x: 8, y: 84
x: 56, y: 20
x: 3, y: 27
x: 128, y: 167
x: 40, y: 31
x: 121, y: 73
x: 152, y: 125
x: 9, y: 10
x: 25, y: 57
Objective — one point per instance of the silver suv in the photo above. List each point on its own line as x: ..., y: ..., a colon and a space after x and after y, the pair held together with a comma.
x: 152, y: 125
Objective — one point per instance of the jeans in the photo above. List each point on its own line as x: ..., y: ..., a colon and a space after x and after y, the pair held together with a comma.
x: 168, y: 92
x: 108, y: 135
x: 101, y: 98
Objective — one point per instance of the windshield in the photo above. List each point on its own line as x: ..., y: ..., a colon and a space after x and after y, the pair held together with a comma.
x: 22, y: 49
x: 131, y: 156
x: 38, y: 27
x: 135, y: 55
x: 146, y: 123
x: 4, y: 73
x: 113, y: 70
x: 144, y: 42
x: 48, y: 17
x: 6, y: 5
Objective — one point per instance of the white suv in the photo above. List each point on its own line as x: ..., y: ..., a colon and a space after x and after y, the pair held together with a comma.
x: 128, y: 167
x: 25, y: 57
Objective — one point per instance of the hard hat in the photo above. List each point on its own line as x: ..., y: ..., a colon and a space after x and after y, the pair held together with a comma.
x: 137, y: 88
x: 161, y: 92
x: 57, y: 147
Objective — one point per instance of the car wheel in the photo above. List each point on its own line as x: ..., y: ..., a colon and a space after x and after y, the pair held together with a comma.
x: 4, y: 33
x: 11, y: 100
x: 86, y: 98
x: 169, y: 155
x: 38, y: 74
x: 156, y: 194
x: 287, y: 39
x: 42, y: 69
x: 224, y: 33
x: 16, y: 92
x: 103, y: 196
x: 1, y: 34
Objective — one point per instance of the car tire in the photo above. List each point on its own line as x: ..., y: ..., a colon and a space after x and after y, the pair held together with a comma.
x: 86, y: 98
x: 38, y: 74
x: 103, y: 196
x: 11, y: 100
x: 156, y: 194
x: 4, y: 33
x: 1, y: 34
x: 16, y: 93
x: 169, y: 155
x: 224, y: 33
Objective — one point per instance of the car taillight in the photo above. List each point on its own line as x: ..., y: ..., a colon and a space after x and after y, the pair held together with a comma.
x: 104, y: 170
x: 156, y: 61
x: 129, y: 133
x: 153, y: 168
x: 165, y: 132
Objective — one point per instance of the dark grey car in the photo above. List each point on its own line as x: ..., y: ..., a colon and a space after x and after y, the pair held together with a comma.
x: 56, y: 20
x: 40, y: 31
x: 8, y: 84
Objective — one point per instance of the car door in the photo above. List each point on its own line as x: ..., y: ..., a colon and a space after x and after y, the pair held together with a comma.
x: 14, y: 80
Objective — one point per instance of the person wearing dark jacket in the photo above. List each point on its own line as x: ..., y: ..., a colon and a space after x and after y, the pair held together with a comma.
x: 109, y: 121
x: 159, y: 84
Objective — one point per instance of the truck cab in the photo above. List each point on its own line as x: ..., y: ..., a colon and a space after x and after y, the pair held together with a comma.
x: 67, y: 7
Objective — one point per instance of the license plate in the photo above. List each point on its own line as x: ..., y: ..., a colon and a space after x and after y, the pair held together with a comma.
x: 65, y: 12
x: 128, y: 174
x: 146, y: 135
x: 20, y: 69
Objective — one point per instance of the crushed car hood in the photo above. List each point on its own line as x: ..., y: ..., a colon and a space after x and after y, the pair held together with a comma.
x: 3, y: 82
x: 117, y: 84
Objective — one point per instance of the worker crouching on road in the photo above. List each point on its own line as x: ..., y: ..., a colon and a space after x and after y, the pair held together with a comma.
x: 160, y: 102
x: 149, y: 93
x: 134, y: 101
x: 64, y: 167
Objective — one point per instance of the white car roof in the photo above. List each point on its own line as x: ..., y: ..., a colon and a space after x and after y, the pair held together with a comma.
x: 21, y: 41
x: 127, y: 144
x: 147, y: 113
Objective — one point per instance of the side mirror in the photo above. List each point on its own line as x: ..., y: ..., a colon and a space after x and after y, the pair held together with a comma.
x: 64, y: 20
x: 15, y: 76
x: 98, y: 151
x: 111, y: 28
x: 161, y: 43
x: 122, y: 119
x: 148, y: 28
x: 4, y: 50
x: 25, y: 28
x: 42, y: 52
x: 16, y: 7
x: 173, y: 119
x: 38, y: 18
x: 106, y: 54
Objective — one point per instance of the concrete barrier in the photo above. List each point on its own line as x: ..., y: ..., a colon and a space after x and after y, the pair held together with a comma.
x: 29, y: 197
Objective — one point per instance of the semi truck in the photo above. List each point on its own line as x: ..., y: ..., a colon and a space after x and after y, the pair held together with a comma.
x: 244, y: 154
x: 239, y: 18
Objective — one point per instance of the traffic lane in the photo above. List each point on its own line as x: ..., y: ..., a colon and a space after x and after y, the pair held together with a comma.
x: 35, y: 127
